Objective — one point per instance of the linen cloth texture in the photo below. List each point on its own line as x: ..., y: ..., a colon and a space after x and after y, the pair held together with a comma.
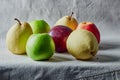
x: 104, y: 66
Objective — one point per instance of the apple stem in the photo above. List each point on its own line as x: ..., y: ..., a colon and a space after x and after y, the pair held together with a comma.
x: 18, y: 20
x: 71, y: 14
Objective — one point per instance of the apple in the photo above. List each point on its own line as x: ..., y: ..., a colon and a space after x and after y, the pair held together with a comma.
x: 40, y: 26
x: 17, y: 37
x: 40, y: 46
x: 82, y: 44
x: 60, y: 34
x: 68, y: 21
x: 90, y: 26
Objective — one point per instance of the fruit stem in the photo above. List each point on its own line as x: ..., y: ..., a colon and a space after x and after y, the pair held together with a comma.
x: 84, y: 22
x: 18, y: 20
x: 71, y: 14
x: 92, y: 53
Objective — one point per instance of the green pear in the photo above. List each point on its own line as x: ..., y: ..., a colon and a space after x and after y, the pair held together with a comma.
x: 68, y: 21
x: 17, y: 37
x: 40, y: 26
x: 82, y: 44
x: 40, y: 46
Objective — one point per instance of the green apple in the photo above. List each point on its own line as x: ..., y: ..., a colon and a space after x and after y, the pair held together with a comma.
x: 39, y: 26
x: 17, y: 37
x: 82, y: 44
x: 40, y: 46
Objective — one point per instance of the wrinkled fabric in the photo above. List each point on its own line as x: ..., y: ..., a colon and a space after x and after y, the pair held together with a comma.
x: 104, y: 66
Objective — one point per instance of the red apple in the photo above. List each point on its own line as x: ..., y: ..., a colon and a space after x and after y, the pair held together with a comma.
x: 90, y: 27
x: 60, y: 34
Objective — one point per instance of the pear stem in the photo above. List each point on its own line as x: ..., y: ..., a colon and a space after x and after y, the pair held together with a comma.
x: 71, y: 14
x: 18, y: 20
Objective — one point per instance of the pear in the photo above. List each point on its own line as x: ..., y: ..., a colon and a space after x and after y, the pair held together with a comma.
x: 17, y: 37
x: 68, y: 21
x: 82, y: 44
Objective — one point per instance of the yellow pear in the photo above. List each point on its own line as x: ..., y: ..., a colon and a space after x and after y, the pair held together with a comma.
x: 17, y: 37
x: 82, y: 44
x: 68, y: 21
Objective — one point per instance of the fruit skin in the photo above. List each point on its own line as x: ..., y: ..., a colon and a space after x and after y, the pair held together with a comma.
x: 17, y: 37
x: 90, y: 26
x: 40, y: 26
x: 40, y: 46
x: 68, y: 21
x: 60, y: 34
x: 82, y: 44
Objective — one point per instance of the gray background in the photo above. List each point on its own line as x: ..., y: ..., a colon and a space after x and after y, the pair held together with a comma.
x: 104, y: 13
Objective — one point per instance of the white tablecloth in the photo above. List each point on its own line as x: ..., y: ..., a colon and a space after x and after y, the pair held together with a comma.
x: 104, y: 66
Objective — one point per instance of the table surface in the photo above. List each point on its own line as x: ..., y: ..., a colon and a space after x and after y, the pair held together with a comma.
x: 62, y: 66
